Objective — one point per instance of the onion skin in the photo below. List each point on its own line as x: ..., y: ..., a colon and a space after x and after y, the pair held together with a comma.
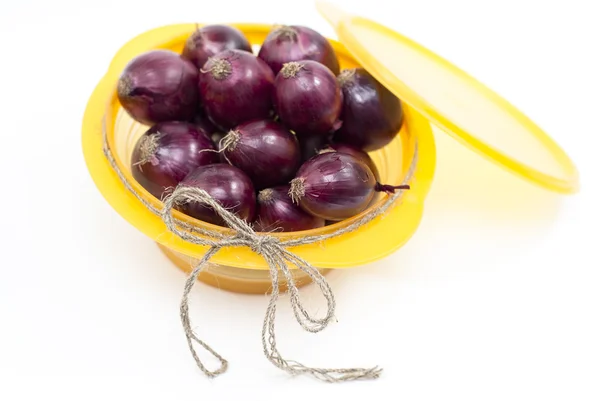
x: 353, y: 151
x: 294, y: 43
x: 226, y: 184
x: 209, y: 40
x: 335, y: 186
x: 265, y: 150
x: 159, y: 86
x: 235, y: 87
x: 277, y: 213
x: 372, y: 115
x: 308, y: 98
x: 166, y: 153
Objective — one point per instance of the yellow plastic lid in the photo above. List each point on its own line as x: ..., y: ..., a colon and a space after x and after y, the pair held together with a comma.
x: 455, y: 101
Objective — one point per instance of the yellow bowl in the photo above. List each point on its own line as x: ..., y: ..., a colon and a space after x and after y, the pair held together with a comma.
x: 412, y: 153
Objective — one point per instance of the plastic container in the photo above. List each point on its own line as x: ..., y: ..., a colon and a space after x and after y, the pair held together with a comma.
x: 432, y: 91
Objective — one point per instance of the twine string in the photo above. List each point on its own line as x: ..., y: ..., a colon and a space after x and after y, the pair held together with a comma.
x: 278, y: 258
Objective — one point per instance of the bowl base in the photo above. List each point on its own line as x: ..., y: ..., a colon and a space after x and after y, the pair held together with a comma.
x: 246, y: 281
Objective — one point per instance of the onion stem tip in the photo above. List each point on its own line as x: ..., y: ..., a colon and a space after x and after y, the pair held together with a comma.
x: 220, y: 69
x: 289, y: 70
x: 124, y: 86
x: 286, y: 32
x: 390, y: 189
x: 229, y: 141
x: 346, y: 76
x: 265, y: 195
x: 148, y: 147
x: 297, y: 189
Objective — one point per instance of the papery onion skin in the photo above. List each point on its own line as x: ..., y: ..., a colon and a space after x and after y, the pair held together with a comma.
x: 308, y: 98
x: 353, y: 151
x: 277, y: 213
x: 228, y: 185
x: 235, y: 87
x: 372, y: 115
x: 167, y: 152
x: 265, y: 150
x: 159, y: 86
x: 294, y: 43
x: 209, y: 40
x: 335, y: 186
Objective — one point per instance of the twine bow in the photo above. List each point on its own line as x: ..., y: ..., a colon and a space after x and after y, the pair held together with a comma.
x: 278, y: 258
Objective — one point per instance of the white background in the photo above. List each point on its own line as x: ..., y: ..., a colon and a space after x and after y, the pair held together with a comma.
x: 495, y: 298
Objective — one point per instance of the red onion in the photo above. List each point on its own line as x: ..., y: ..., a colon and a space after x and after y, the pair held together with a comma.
x: 226, y: 184
x: 159, y: 86
x: 166, y: 153
x: 212, y: 39
x: 335, y: 186
x: 356, y: 152
x: 372, y: 115
x: 235, y: 87
x: 295, y: 43
x: 277, y: 213
x: 308, y: 98
x: 263, y: 149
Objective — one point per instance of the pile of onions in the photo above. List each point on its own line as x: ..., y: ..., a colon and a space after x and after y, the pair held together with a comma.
x: 279, y: 138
